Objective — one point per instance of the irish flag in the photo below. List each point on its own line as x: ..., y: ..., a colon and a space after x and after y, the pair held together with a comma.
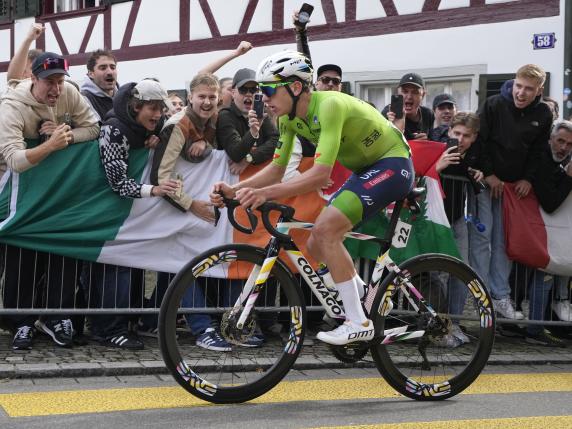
x: 65, y: 206
x: 536, y: 238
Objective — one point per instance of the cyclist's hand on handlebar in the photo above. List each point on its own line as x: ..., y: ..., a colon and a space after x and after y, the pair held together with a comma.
x: 220, y: 189
x: 251, y: 197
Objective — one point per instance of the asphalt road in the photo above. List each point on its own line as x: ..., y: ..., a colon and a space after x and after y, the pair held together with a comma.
x: 503, y: 397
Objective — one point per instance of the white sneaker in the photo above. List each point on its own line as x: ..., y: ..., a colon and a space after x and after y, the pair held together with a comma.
x: 348, y: 332
x: 563, y: 310
x: 505, y: 309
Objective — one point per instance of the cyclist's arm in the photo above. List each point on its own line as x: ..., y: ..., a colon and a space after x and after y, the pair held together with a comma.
x: 269, y: 175
x: 311, y: 180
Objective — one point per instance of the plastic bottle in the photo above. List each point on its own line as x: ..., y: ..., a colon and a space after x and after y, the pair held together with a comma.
x: 324, y: 273
x: 475, y: 221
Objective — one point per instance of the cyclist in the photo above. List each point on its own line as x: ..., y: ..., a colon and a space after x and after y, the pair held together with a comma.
x: 360, y: 138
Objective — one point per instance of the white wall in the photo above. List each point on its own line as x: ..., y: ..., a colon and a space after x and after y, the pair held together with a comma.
x: 500, y: 48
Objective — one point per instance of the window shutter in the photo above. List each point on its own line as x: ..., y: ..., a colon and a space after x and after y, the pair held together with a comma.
x: 26, y: 8
x: 5, y: 15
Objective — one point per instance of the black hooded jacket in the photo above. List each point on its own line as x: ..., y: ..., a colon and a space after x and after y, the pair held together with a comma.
x: 513, y: 139
x: 551, y: 185
x: 119, y: 134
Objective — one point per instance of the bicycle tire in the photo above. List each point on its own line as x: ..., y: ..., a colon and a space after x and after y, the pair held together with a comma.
x: 451, y: 370
x: 241, y: 374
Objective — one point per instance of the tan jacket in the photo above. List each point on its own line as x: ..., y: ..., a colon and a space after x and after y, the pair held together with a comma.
x: 181, y: 130
x: 21, y: 114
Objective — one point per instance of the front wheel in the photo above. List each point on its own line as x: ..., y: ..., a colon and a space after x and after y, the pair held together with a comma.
x: 436, y: 357
x: 240, y: 367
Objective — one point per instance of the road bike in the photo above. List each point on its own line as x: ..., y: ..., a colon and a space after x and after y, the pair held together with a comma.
x: 407, y: 303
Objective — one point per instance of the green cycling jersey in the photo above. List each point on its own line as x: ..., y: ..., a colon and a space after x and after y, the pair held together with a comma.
x: 343, y: 128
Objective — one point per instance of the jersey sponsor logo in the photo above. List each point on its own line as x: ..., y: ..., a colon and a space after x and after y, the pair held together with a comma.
x: 405, y: 174
x: 367, y: 199
x: 369, y: 140
x: 379, y: 178
x: 369, y: 174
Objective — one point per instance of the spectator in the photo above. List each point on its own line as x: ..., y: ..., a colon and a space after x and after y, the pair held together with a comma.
x: 329, y: 78
x: 418, y: 119
x: 177, y: 103
x: 20, y: 66
x: 136, y: 115
x: 245, y: 138
x: 41, y: 106
x: 225, y: 92
x: 552, y: 185
x: 460, y: 160
x: 191, y: 134
x: 515, y: 126
x: 553, y: 105
x: 100, y: 86
x: 444, y: 109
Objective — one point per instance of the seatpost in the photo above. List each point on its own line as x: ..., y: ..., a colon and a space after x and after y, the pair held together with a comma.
x: 392, y: 225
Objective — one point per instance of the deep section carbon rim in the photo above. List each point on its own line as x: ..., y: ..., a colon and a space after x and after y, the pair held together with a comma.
x: 455, y: 347
x: 249, y: 368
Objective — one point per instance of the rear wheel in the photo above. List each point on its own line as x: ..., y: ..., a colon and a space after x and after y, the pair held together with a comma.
x: 246, y: 371
x: 456, y: 345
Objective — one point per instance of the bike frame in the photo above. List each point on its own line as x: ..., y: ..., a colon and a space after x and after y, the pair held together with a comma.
x: 328, y: 300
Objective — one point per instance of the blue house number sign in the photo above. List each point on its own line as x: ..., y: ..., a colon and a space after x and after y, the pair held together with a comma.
x: 544, y: 41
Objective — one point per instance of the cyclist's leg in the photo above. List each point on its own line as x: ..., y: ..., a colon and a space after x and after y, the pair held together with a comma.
x: 364, y: 194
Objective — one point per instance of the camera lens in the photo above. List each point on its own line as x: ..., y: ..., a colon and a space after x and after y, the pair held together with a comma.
x: 303, y: 17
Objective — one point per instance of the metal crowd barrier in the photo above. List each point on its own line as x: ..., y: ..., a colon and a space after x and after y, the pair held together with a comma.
x: 49, y: 284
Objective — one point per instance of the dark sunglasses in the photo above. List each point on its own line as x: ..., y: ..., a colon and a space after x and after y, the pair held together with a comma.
x: 248, y: 89
x: 326, y: 80
x: 269, y: 89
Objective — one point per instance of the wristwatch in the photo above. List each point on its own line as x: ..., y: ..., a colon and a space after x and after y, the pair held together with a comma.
x: 249, y: 158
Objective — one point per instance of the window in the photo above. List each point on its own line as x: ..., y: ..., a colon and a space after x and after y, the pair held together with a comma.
x: 5, y: 11
x: 58, y: 6
x: 68, y: 5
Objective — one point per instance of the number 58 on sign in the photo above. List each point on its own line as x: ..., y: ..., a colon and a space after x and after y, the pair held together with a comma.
x: 544, y: 41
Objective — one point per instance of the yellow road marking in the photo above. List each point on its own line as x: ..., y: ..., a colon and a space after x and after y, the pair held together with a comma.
x: 107, y: 400
x: 507, y: 423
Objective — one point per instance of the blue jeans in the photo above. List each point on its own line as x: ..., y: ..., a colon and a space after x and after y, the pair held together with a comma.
x: 223, y: 293
x: 107, y: 286
x: 539, y: 296
x: 487, y: 249
x: 457, y: 290
x: 150, y: 321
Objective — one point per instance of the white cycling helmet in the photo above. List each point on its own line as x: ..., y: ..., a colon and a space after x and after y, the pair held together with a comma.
x: 285, y: 66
